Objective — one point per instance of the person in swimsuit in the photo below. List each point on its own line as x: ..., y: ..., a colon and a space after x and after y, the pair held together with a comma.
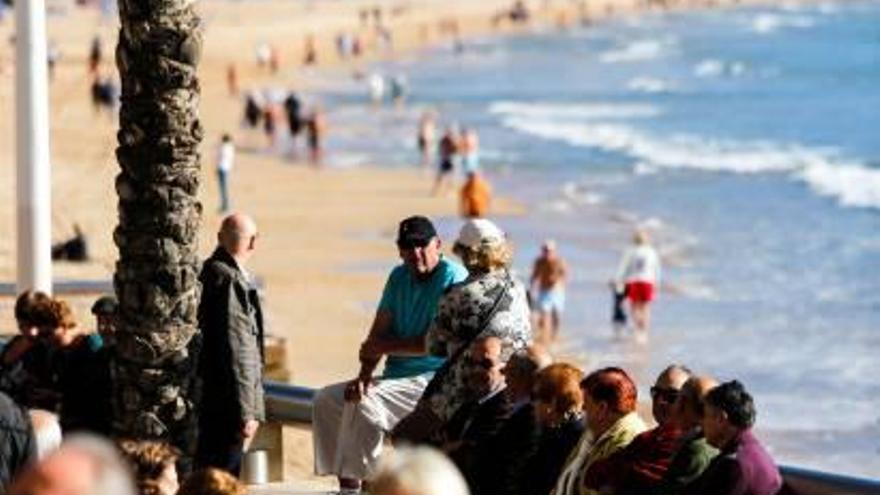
x: 548, y: 284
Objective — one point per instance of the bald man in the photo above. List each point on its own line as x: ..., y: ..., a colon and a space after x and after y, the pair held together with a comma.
x: 231, y: 360
x: 84, y: 465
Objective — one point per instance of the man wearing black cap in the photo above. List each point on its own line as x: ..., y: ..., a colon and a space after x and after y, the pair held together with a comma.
x: 105, y: 310
x: 350, y: 418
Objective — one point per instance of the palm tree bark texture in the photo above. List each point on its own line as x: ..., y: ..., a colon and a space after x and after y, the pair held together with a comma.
x: 156, y: 277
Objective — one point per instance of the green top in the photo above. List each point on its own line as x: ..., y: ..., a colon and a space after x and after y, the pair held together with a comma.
x: 687, y: 465
x: 412, y: 304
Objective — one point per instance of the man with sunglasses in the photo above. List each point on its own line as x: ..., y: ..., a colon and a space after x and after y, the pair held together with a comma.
x: 231, y: 357
x: 640, y: 466
x: 471, y: 427
x: 350, y: 419
x: 695, y: 453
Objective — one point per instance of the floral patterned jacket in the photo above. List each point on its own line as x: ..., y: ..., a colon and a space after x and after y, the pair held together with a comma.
x: 460, y: 314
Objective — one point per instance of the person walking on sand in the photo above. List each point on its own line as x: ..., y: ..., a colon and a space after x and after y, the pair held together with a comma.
x: 638, y: 275
x: 470, y: 151
x: 232, y: 79
x: 476, y: 195
x: 310, y: 51
x: 295, y: 121
x: 96, y: 52
x: 270, y: 123
x: 426, y: 136
x: 376, y: 88
x: 447, y: 150
x: 225, y: 163
x: 548, y: 286
x: 316, y: 128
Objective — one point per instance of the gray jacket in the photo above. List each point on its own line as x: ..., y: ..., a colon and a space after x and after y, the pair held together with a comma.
x: 17, y: 444
x: 231, y: 358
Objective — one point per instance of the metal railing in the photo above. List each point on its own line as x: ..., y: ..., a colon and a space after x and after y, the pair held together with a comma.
x: 293, y: 404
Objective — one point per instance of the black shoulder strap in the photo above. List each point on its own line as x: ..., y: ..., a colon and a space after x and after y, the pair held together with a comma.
x: 444, y: 370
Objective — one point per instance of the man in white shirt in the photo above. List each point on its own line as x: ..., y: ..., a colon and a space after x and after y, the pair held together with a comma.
x: 225, y: 162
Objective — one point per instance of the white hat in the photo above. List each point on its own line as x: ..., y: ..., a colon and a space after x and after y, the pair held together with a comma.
x: 479, y: 231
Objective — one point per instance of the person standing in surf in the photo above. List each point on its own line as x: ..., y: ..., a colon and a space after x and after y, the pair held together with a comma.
x: 638, y: 274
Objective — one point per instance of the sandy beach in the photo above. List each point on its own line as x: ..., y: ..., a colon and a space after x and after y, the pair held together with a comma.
x: 317, y: 226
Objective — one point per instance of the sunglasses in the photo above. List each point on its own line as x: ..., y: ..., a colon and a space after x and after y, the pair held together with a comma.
x: 665, y: 394
x: 484, y: 363
x: 413, y: 243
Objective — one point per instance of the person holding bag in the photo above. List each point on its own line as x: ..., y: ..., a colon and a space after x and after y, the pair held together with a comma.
x: 490, y: 302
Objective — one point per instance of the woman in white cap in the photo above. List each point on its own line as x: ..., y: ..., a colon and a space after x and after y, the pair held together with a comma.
x: 490, y: 302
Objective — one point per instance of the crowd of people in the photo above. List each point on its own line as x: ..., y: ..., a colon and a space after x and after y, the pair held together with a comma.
x: 468, y: 395
x: 464, y: 376
x: 57, y: 390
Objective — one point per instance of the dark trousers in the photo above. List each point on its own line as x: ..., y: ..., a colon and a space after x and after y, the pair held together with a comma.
x: 218, y: 449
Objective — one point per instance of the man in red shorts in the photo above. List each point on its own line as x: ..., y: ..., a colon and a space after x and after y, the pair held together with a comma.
x: 639, y: 273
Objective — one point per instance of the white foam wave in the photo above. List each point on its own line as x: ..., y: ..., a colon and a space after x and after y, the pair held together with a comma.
x: 650, y: 85
x: 636, y: 51
x: 711, y: 67
x: 678, y: 151
x: 579, y: 195
x: 852, y: 184
x: 767, y: 23
x: 695, y: 291
x: 589, y: 111
x: 643, y: 168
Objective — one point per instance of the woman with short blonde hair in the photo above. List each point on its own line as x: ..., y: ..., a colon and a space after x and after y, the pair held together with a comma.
x: 484, y: 257
x: 489, y: 303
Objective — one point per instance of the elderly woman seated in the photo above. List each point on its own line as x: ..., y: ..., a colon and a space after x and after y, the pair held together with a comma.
x: 558, y: 401
x: 489, y: 303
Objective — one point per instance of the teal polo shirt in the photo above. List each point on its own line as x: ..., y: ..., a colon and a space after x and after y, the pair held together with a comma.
x: 412, y: 304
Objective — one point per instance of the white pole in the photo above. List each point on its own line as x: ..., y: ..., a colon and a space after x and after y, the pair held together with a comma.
x: 33, y: 180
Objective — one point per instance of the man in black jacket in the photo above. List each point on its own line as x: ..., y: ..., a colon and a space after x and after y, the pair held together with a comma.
x: 231, y: 359
x: 478, y: 420
x: 499, y: 462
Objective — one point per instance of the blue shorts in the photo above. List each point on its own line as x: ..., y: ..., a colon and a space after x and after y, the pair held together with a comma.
x: 550, y: 300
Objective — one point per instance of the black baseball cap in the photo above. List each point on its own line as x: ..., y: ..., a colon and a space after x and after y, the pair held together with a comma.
x: 105, y: 305
x: 415, y: 231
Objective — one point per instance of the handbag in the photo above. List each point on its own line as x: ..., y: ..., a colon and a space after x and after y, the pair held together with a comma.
x: 421, y: 424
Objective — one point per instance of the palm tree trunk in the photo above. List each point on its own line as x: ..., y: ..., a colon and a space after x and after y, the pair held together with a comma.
x: 156, y: 276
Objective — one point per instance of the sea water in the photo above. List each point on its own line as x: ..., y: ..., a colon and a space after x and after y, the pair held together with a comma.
x: 748, y: 142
